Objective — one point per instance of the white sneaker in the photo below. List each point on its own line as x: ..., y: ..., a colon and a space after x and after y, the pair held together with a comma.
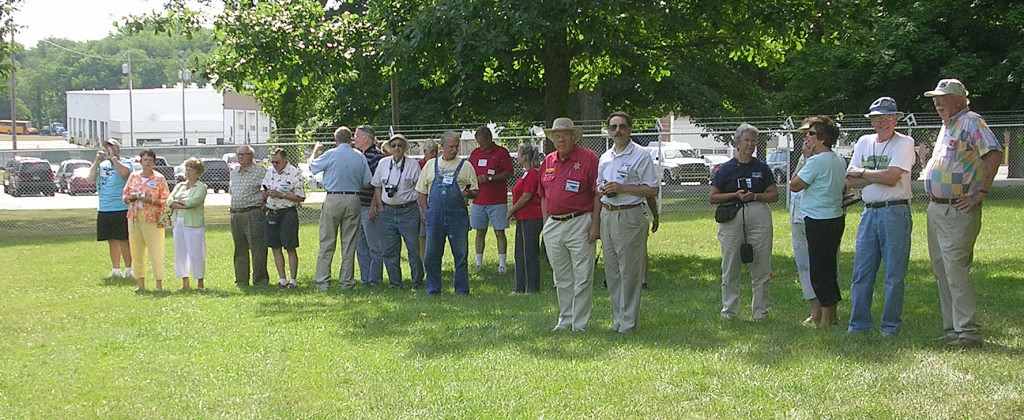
x: 115, y: 273
x: 128, y: 273
x: 502, y: 269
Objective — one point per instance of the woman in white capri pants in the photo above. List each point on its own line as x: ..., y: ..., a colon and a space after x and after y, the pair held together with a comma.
x: 187, y: 217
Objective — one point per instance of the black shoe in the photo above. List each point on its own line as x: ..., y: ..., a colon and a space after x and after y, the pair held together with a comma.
x: 604, y: 284
x: 643, y: 285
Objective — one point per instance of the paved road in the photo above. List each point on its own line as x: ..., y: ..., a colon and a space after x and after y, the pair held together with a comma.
x: 64, y: 201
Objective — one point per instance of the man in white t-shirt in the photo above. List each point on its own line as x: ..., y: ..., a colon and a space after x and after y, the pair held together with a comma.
x: 881, y: 166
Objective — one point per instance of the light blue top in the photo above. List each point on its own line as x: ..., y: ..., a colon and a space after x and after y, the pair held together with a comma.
x: 345, y: 170
x: 825, y: 175
x: 110, y: 185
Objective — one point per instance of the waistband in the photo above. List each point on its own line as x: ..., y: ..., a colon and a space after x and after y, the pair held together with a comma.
x: 400, y: 206
x: 290, y: 208
x: 245, y: 209
x: 880, y: 204
x: 944, y: 200
x: 564, y: 217
x: 610, y: 207
x: 343, y: 192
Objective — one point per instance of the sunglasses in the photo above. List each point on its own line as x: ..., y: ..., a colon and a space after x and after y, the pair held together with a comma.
x: 276, y: 161
x: 812, y: 133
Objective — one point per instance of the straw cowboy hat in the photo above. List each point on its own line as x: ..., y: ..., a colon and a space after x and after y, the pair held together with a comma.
x: 564, y: 124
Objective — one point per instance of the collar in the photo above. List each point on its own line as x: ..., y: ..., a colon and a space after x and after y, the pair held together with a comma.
x: 567, y: 155
x: 286, y: 167
x: 629, y: 149
x: 954, y: 117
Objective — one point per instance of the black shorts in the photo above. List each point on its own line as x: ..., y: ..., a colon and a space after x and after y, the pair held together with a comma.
x: 283, y: 228
x: 112, y: 225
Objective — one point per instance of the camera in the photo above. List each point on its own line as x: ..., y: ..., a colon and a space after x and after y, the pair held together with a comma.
x: 743, y: 184
x: 391, y: 190
x: 139, y: 194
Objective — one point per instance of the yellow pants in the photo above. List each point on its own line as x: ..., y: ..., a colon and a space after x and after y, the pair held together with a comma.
x: 146, y: 237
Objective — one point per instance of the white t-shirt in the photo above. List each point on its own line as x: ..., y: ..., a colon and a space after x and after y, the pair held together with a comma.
x: 403, y: 175
x: 897, y: 152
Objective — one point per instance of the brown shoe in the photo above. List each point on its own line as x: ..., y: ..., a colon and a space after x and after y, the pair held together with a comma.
x: 963, y: 343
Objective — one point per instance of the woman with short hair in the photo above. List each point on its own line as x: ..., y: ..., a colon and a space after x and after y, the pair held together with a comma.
x: 188, y: 221
x: 145, y: 192
x: 526, y: 212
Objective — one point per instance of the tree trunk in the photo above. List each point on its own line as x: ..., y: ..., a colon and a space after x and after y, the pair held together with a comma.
x: 555, y: 59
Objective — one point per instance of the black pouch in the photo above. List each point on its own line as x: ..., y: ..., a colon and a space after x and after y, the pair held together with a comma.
x: 746, y: 253
x: 727, y: 211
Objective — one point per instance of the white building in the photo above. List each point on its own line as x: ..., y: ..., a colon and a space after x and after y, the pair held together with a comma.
x: 154, y: 116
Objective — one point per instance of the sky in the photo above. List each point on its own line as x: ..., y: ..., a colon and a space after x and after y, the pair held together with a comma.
x: 77, y: 20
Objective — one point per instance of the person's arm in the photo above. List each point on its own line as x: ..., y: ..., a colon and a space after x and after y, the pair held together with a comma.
x: 518, y: 205
x: 194, y: 198
x: 718, y: 197
x: 992, y: 161
x: 95, y: 166
x: 652, y: 205
x: 119, y: 167
x: 796, y: 184
x: 595, y: 220
x: 859, y: 177
x: 770, y: 195
x: 637, y: 190
x: 422, y: 199
x: 544, y: 209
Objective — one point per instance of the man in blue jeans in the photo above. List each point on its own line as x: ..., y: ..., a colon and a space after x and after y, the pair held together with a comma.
x: 395, y: 205
x: 881, y: 166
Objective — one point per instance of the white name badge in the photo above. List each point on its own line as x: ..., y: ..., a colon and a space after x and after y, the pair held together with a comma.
x: 448, y: 181
x: 481, y: 162
x: 572, y: 186
x: 151, y: 184
x: 490, y: 172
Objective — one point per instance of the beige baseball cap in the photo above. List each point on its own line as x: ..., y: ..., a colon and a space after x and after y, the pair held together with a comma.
x: 948, y: 87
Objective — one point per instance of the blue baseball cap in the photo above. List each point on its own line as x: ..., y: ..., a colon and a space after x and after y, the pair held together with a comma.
x: 883, y: 106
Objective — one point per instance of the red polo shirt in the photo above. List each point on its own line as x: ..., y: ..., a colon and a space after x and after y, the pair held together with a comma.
x: 495, y: 162
x: 568, y: 185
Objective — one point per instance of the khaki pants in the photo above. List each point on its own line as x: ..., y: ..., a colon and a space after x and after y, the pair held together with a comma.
x: 572, y: 267
x: 146, y: 239
x: 624, y: 246
x: 951, y: 237
x: 759, y: 234
x: 338, y: 211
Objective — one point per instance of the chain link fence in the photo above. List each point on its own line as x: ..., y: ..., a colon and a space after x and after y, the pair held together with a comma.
x: 686, y: 160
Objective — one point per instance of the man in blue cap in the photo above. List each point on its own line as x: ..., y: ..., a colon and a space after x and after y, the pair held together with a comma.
x: 881, y: 167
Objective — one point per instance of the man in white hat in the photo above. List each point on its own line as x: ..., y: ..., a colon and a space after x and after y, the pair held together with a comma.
x: 964, y: 161
x: 568, y: 195
x: 110, y: 172
x: 881, y: 166
x: 394, y: 203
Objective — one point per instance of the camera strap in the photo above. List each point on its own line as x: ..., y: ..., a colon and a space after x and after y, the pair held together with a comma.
x: 391, y: 168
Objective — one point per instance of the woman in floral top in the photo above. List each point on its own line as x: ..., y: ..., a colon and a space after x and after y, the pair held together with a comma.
x: 146, y: 193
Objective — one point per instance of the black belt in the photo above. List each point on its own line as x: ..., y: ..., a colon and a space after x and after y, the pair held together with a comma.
x: 564, y: 217
x: 944, y: 200
x: 401, y: 206
x: 245, y: 209
x: 880, y: 204
x: 292, y: 208
x: 610, y: 207
x: 342, y: 192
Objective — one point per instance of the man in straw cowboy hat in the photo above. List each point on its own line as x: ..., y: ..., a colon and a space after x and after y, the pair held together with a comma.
x: 571, y: 226
x: 964, y: 161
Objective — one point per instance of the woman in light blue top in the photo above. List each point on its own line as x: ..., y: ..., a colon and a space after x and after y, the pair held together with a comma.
x: 186, y: 206
x: 822, y: 178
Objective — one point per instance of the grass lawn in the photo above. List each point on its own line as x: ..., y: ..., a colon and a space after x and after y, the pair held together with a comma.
x: 76, y: 345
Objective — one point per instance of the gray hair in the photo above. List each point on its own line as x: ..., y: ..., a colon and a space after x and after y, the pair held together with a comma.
x: 342, y: 135
x: 429, y: 144
x: 246, y: 148
x: 449, y: 135
x: 744, y: 128
x: 530, y: 155
x: 366, y: 128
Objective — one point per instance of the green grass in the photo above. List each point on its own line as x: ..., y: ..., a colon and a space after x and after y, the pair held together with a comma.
x: 76, y: 345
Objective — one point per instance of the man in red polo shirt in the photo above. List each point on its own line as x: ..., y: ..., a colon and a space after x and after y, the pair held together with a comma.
x: 493, y: 166
x: 568, y: 182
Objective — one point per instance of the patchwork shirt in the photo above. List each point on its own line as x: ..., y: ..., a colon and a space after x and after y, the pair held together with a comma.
x: 956, y: 167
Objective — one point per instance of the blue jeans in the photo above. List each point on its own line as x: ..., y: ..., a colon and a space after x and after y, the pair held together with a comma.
x: 883, y: 235
x: 397, y: 225
x: 368, y: 252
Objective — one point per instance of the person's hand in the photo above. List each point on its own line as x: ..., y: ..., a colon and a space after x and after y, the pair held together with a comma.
x: 482, y: 178
x: 967, y: 204
x: 595, y: 233
x: 373, y: 211
x: 510, y: 215
x: 612, y: 187
x: 745, y: 196
x: 100, y: 155
x: 807, y: 150
x: 654, y: 224
x: 317, y: 148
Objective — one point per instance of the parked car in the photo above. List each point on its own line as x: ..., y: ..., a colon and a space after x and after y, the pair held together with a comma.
x: 666, y: 170
x: 715, y: 161
x: 161, y: 166
x: 24, y: 175
x: 312, y: 181
x: 78, y: 182
x: 65, y: 169
x: 217, y: 175
x: 231, y: 159
x: 778, y: 161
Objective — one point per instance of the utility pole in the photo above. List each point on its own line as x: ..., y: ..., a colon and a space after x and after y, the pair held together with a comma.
x: 184, y: 75
x: 14, y: 97
x: 127, y: 68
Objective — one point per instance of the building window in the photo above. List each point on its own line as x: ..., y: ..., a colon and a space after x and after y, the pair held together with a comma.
x: 202, y: 140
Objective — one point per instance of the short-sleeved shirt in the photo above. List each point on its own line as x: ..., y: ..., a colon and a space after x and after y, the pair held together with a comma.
x: 754, y: 176
x: 568, y: 185
x: 403, y: 175
x: 110, y: 185
x: 497, y: 161
x: 631, y: 167
x: 287, y: 181
x: 528, y: 183
x: 897, y: 152
x: 825, y: 175
x: 466, y: 176
x: 956, y: 167
x: 373, y: 156
x: 345, y: 169
x: 247, y: 186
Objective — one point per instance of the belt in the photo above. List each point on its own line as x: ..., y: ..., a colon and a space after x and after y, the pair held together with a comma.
x: 944, y: 200
x: 614, y: 208
x: 292, y: 208
x: 564, y: 217
x: 245, y: 209
x: 880, y: 204
x: 343, y: 192
x: 401, y: 206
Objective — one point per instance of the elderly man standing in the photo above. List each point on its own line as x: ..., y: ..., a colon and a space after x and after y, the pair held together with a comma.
x: 110, y: 172
x: 881, y: 166
x: 346, y: 173
x: 964, y: 161
x: 626, y: 178
x: 284, y: 189
x: 571, y: 226
x: 395, y: 204
x: 444, y: 186
x: 248, y: 221
x: 493, y: 167
x: 371, y: 260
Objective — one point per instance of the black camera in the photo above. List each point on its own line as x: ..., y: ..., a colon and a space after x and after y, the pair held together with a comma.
x: 391, y: 190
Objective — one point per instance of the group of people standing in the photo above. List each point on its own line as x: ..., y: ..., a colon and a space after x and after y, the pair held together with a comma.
x: 958, y: 176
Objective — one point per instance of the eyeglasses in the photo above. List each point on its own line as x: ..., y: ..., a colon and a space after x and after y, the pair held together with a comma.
x: 244, y: 154
x: 812, y: 133
x: 616, y: 127
x: 394, y: 145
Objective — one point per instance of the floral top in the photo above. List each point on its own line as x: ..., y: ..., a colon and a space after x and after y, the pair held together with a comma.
x: 154, y: 187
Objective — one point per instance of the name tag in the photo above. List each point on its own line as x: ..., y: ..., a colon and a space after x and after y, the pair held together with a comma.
x: 151, y: 184
x: 549, y: 174
x: 490, y: 172
x: 623, y: 172
x: 481, y: 162
x: 572, y: 186
x: 448, y: 181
